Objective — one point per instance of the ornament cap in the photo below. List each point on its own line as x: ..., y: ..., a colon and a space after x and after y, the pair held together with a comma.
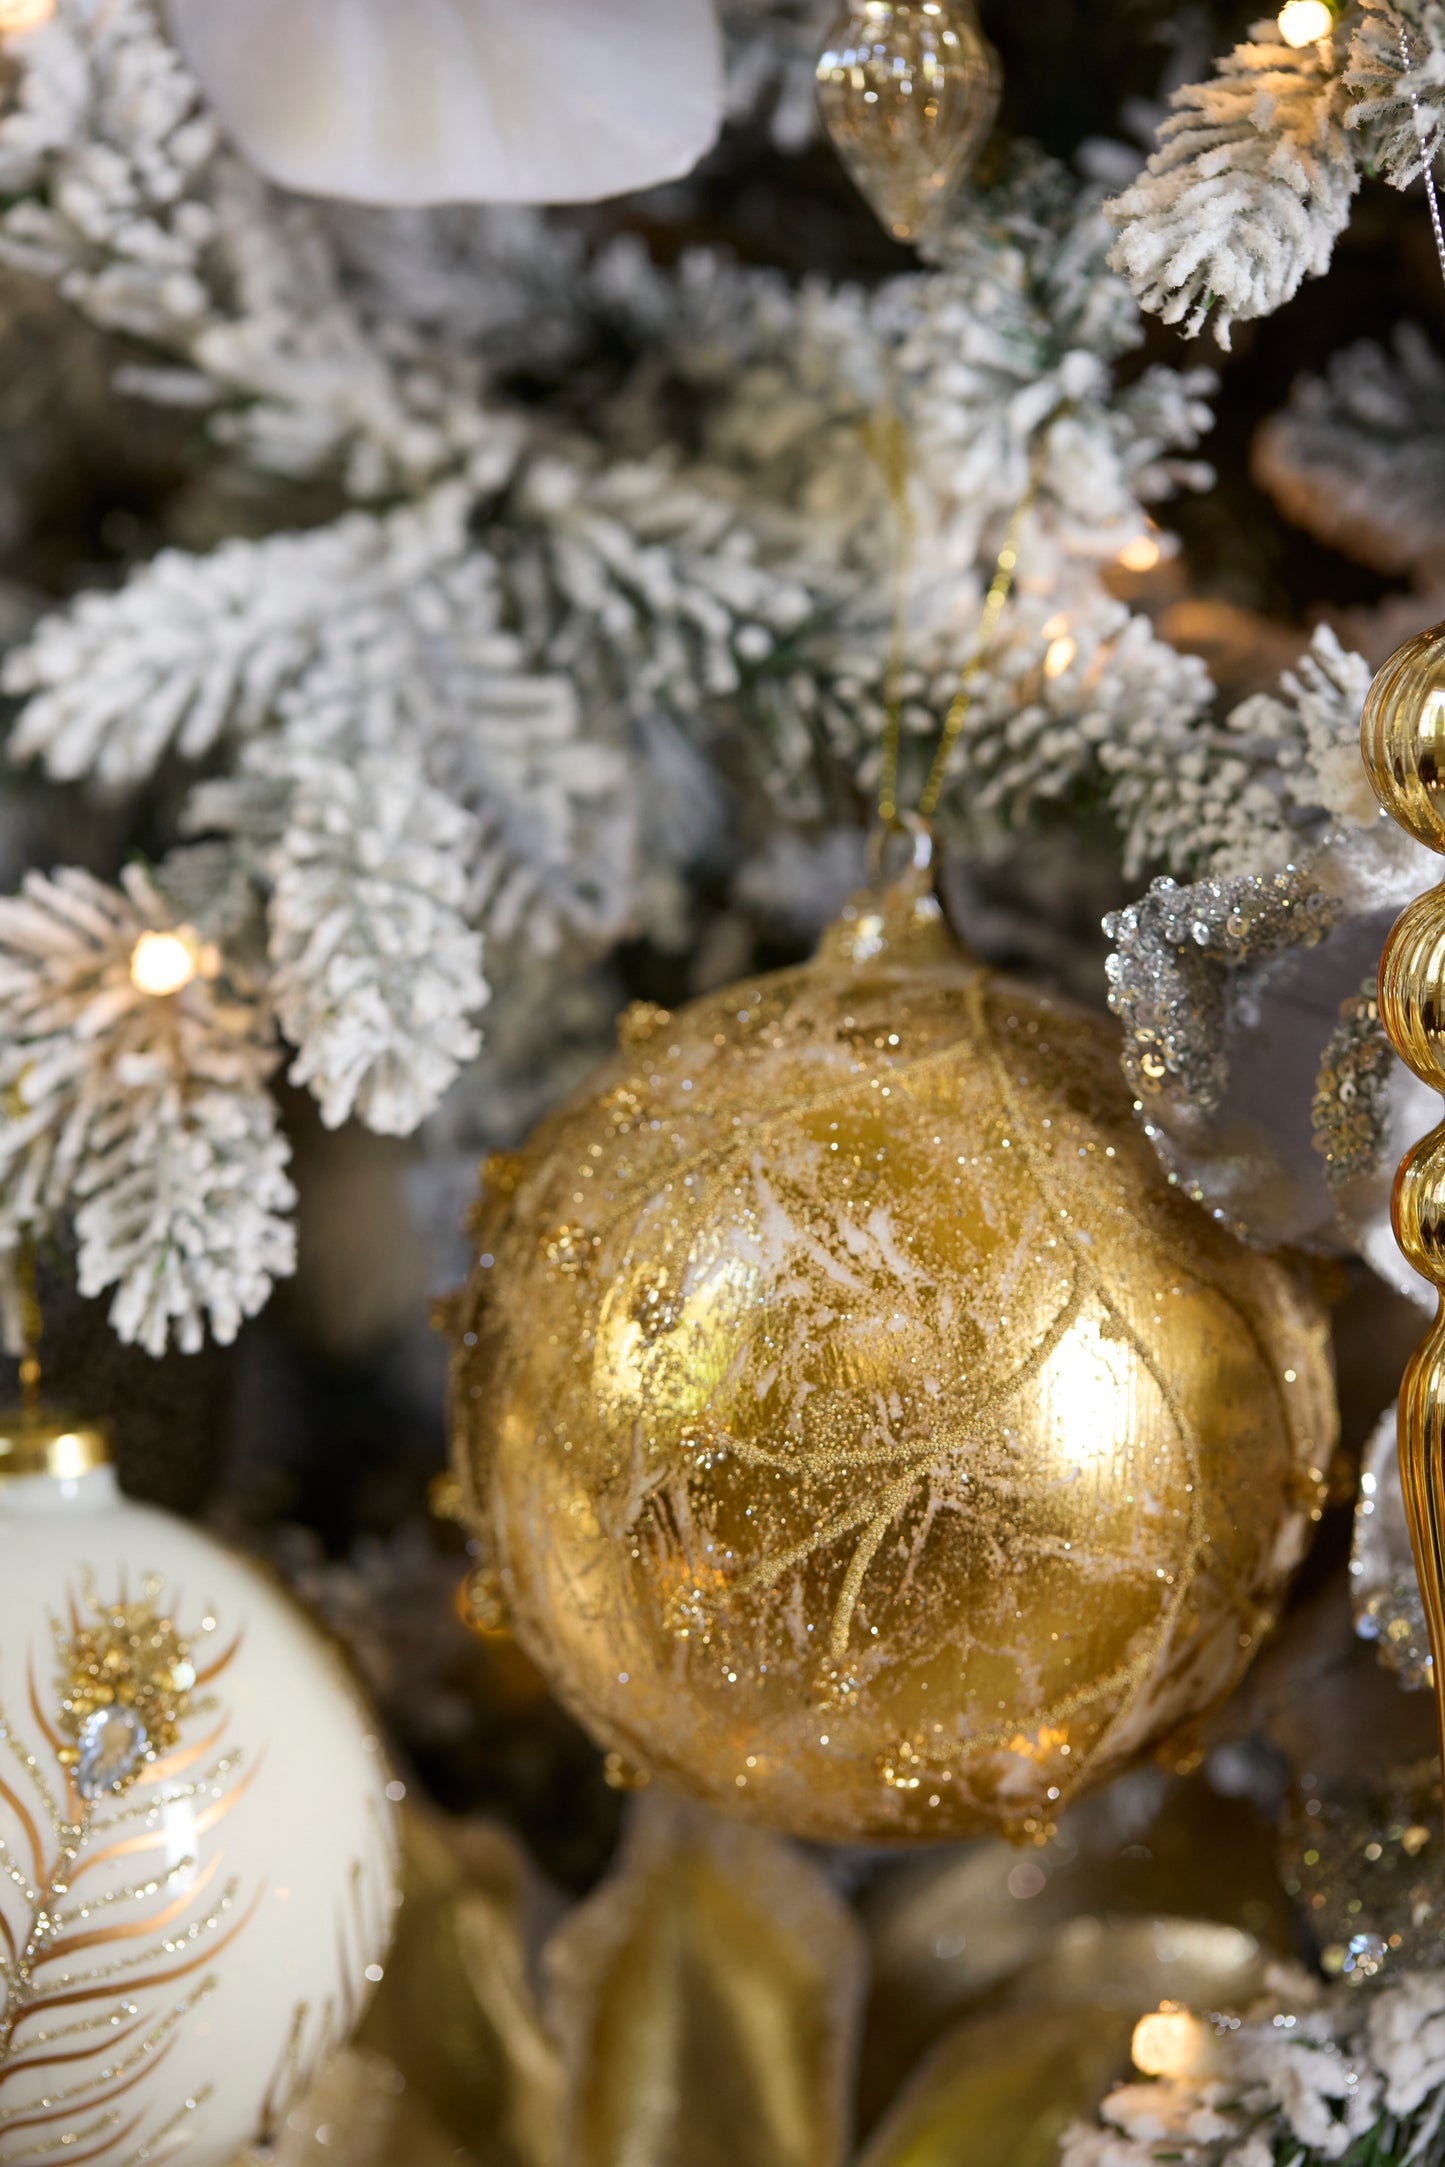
x: 51, y: 1441
x: 897, y: 920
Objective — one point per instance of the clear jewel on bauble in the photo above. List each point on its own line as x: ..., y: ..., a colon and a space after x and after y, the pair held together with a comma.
x: 112, y: 1745
x: 908, y: 90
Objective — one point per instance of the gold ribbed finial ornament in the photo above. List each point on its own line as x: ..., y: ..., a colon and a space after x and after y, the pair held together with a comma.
x: 908, y: 90
x: 862, y: 1433
x: 1403, y: 739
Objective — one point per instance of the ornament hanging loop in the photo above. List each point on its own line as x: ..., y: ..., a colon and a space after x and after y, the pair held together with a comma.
x: 899, y: 845
x: 897, y: 917
x: 999, y: 589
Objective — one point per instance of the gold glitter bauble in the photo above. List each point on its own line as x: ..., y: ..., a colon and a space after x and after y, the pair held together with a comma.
x: 864, y: 1434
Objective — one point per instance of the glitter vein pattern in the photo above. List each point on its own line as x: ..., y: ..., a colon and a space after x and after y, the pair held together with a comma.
x: 865, y: 1436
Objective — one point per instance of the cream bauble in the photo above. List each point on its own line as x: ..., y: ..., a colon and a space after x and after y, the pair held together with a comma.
x: 864, y: 1435
x: 198, y: 1848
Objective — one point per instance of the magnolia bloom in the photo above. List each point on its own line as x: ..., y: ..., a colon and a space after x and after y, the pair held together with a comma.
x: 444, y: 101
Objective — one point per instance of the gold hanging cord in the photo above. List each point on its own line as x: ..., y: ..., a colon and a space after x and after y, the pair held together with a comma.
x: 890, y: 448
x: 31, y: 1325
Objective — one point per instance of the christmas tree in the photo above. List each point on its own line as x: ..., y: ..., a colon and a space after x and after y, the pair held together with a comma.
x: 507, y: 521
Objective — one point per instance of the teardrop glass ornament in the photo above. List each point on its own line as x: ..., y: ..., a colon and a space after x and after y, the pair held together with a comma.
x: 908, y: 90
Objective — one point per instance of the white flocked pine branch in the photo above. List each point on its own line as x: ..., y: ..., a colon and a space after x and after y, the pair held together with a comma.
x: 1357, y: 455
x: 1396, y: 78
x: 1248, y: 189
x: 194, y: 651
x: 375, y: 972
x: 143, y: 1121
x: 513, y: 706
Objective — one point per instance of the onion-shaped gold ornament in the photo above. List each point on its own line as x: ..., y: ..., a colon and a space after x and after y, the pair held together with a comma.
x: 908, y: 90
x: 865, y: 1436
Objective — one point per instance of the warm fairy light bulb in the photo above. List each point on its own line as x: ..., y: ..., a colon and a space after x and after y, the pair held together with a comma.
x: 162, y: 963
x: 1140, y: 555
x: 18, y: 15
x: 1169, y: 2042
x: 1304, y: 22
x: 1061, y: 653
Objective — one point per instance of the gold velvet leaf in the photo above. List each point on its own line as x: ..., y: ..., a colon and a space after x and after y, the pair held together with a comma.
x: 1141, y: 1888
x: 360, y: 2112
x: 1000, y: 2090
x: 706, y: 1997
x: 1134, y: 1964
x: 455, y: 2014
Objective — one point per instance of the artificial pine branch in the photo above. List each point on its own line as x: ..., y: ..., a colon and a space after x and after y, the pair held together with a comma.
x: 1248, y: 190
x: 145, y: 1119
x: 376, y: 974
x: 1357, y: 456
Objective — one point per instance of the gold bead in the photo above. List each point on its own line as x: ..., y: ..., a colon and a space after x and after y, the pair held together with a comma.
x: 1412, y: 987
x: 620, y: 1774
x: 908, y: 92
x: 1419, y: 1207
x: 1402, y: 737
x: 481, y: 1604
x: 445, y: 1497
x: 639, y: 1022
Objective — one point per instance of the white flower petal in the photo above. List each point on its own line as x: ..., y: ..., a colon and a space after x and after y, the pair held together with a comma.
x: 436, y: 101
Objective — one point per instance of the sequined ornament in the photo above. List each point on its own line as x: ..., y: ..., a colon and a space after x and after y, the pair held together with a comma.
x: 195, y: 1828
x: 1402, y: 735
x: 908, y: 90
x: 1350, y: 1113
x: 864, y: 1434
